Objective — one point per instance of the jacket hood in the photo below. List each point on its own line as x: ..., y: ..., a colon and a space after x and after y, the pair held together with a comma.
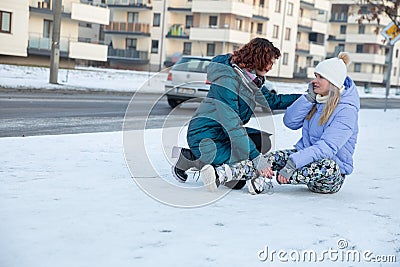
x: 220, y: 66
x: 350, y: 95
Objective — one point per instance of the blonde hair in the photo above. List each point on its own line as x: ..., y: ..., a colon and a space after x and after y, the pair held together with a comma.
x: 331, y: 104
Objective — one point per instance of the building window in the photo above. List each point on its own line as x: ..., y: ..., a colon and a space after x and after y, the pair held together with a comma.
x: 397, y: 53
x: 278, y: 4
x: 189, y: 21
x: 133, y: 17
x: 47, y: 28
x: 212, y: 21
x: 85, y: 25
x: 156, y: 19
x: 259, y: 28
x: 187, y: 48
x: 361, y: 29
x: 210, y: 50
x: 239, y: 24
x: 359, y: 48
x: 154, y: 46
x: 343, y: 29
x: 395, y: 71
x: 285, y: 59
x: 301, y: 12
x: 357, y: 67
x: 275, y: 32
x: 298, y: 36
x: 373, y: 68
x: 262, y: 3
x: 287, y: 34
x: 290, y: 9
x: 130, y: 43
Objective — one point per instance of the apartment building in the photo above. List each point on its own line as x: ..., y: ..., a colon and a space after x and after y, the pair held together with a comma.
x: 364, y: 43
x: 153, y: 34
x: 311, y: 37
x: 30, y: 25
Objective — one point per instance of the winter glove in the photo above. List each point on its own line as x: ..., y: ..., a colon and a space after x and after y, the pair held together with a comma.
x: 311, y: 95
x: 260, y: 162
x: 288, y: 170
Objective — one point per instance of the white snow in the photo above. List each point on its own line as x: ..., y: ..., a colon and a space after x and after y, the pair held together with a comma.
x: 69, y: 200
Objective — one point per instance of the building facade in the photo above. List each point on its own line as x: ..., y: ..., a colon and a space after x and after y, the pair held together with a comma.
x: 153, y: 34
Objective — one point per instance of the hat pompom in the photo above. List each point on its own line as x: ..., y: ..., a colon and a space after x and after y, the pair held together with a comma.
x: 345, y: 57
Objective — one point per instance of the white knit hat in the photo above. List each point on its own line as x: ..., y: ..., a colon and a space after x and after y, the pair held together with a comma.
x: 334, y: 69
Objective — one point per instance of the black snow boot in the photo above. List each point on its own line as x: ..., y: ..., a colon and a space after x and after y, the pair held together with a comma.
x: 185, y: 161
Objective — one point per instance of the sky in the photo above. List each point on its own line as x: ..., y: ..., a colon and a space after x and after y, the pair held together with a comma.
x: 71, y: 200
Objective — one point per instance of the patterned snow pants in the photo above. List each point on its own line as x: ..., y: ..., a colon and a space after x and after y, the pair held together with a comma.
x: 322, y: 176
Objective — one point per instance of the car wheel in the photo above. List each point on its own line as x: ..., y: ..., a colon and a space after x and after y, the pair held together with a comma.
x: 173, y: 103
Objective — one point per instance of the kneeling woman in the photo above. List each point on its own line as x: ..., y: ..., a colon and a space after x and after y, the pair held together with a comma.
x: 328, y: 116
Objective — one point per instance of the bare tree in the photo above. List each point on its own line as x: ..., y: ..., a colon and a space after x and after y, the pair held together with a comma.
x: 373, y: 9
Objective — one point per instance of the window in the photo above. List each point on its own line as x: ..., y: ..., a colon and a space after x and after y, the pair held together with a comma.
x: 239, y: 24
x: 187, y: 48
x: 47, y: 28
x: 285, y: 59
x: 85, y: 25
x: 298, y: 36
x: 278, y: 6
x: 130, y: 43
x: 357, y: 67
x: 189, y: 21
x: 154, y: 46
x: 252, y: 27
x: 359, y: 48
x: 259, y: 28
x: 373, y: 68
x: 397, y: 53
x: 395, y: 71
x: 262, y: 3
x: 301, y: 12
x: 210, y: 50
x: 133, y: 17
x: 212, y: 21
x: 275, y: 32
x: 361, y: 29
x: 343, y: 29
x: 287, y: 34
x: 290, y: 9
x: 156, y: 19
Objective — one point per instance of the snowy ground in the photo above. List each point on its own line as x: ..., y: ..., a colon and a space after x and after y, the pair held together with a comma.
x: 69, y: 200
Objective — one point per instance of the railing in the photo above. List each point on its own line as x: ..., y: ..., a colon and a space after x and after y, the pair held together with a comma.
x: 143, y: 28
x: 44, y: 43
x: 128, y: 53
x: 177, y: 30
x: 129, y: 2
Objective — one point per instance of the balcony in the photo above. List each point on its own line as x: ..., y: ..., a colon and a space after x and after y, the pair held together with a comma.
x: 320, y: 27
x: 116, y: 27
x: 303, y: 47
x: 69, y: 48
x: 317, y: 49
x: 88, y: 13
x: 179, y: 6
x: 368, y: 58
x: 219, y: 35
x: 128, y: 55
x: 366, y: 77
x: 135, y: 4
x: 305, y: 22
x: 38, y: 45
x: 231, y: 7
x: 260, y: 12
x: 178, y: 31
x: 364, y: 38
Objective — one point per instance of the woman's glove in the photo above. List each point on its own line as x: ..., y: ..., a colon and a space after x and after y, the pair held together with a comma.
x: 288, y: 170
x: 260, y: 162
x: 311, y: 95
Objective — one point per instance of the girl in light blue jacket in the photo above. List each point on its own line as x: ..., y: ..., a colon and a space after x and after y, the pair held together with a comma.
x: 328, y: 116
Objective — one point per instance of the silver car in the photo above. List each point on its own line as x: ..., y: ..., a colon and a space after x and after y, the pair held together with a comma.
x: 187, y: 79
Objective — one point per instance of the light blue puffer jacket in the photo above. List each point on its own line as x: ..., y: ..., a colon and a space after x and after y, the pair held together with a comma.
x: 335, y: 139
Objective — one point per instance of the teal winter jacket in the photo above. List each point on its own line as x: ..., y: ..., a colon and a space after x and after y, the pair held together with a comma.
x: 216, y: 132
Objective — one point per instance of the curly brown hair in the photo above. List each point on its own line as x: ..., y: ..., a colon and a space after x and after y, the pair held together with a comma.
x: 256, y: 54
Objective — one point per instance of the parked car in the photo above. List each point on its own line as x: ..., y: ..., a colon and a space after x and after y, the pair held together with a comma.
x: 187, y: 79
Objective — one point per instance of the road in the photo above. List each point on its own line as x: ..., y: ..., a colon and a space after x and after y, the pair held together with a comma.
x: 42, y: 113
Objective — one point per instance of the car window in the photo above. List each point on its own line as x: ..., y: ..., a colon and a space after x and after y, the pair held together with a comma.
x: 192, y: 65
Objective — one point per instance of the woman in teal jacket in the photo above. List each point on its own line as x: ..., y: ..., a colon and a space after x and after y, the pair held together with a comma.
x: 217, y: 138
